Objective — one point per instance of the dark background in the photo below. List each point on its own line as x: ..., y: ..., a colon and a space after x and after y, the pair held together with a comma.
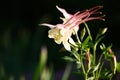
x: 21, y: 38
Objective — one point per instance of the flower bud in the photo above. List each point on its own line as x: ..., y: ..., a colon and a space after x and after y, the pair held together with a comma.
x: 87, y: 61
x: 104, y: 31
x: 113, y: 61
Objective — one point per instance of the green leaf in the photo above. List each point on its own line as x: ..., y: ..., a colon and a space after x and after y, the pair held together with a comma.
x: 86, y: 41
x: 118, y: 67
x: 109, y: 47
x: 90, y: 44
x: 96, y: 67
x: 98, y: 40
x: 106, y: 53
x: 90, y: 78
x: 78, y: 64
x: 110, y: 75
x: 67, y: 58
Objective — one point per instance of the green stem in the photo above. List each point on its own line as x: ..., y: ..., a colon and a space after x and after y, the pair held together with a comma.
x: 99, y: 70
x: 88, y: 30
x: 82, y: 65
x: 76, y: 56
x: 111, y: 77
x: 98, y: 75
x: 86, y: 76
x: 94, y: 53
x: 77, y: 37
x: 94, y: 60
x: 100, y: 58
x: 83, y: 68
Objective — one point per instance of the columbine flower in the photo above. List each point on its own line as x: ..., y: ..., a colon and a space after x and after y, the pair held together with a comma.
x: 61, y: 33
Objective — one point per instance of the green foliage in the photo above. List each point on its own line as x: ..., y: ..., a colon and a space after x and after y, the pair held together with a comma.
x: 85, y: 56
x: 118, y: 67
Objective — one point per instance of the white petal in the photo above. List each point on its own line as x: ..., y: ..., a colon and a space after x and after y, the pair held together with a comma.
x: 67, y: 46
x: 58, y: 41
x: 49, y: 25
x: 65, y: 14
x: 71, y: 41
x: 76, y: 28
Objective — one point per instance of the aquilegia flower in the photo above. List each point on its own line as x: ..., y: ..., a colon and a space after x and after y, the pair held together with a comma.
x: 62, y: 33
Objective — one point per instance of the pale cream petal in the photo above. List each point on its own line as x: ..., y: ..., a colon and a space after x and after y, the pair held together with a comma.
x: 49, y: 25
x: 71, y: 41
x: 55, y: 34
x: 58, y: 41
x: 60, y: 26
x: 62, y: 31
x: 65, y: 14
x: 64, y: 20
x: 51, y: 33
x: 66, y: 45
x: 76, y: 28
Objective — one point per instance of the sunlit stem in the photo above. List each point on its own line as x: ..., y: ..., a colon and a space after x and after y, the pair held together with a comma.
x: 88, y: 30
x: 94, y: 53
x: 94, y: 48
x: 79, y: 59
x: 100, y: 58
x: 77, y: 37
x: 98, y: 74
x: 83, y: 68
